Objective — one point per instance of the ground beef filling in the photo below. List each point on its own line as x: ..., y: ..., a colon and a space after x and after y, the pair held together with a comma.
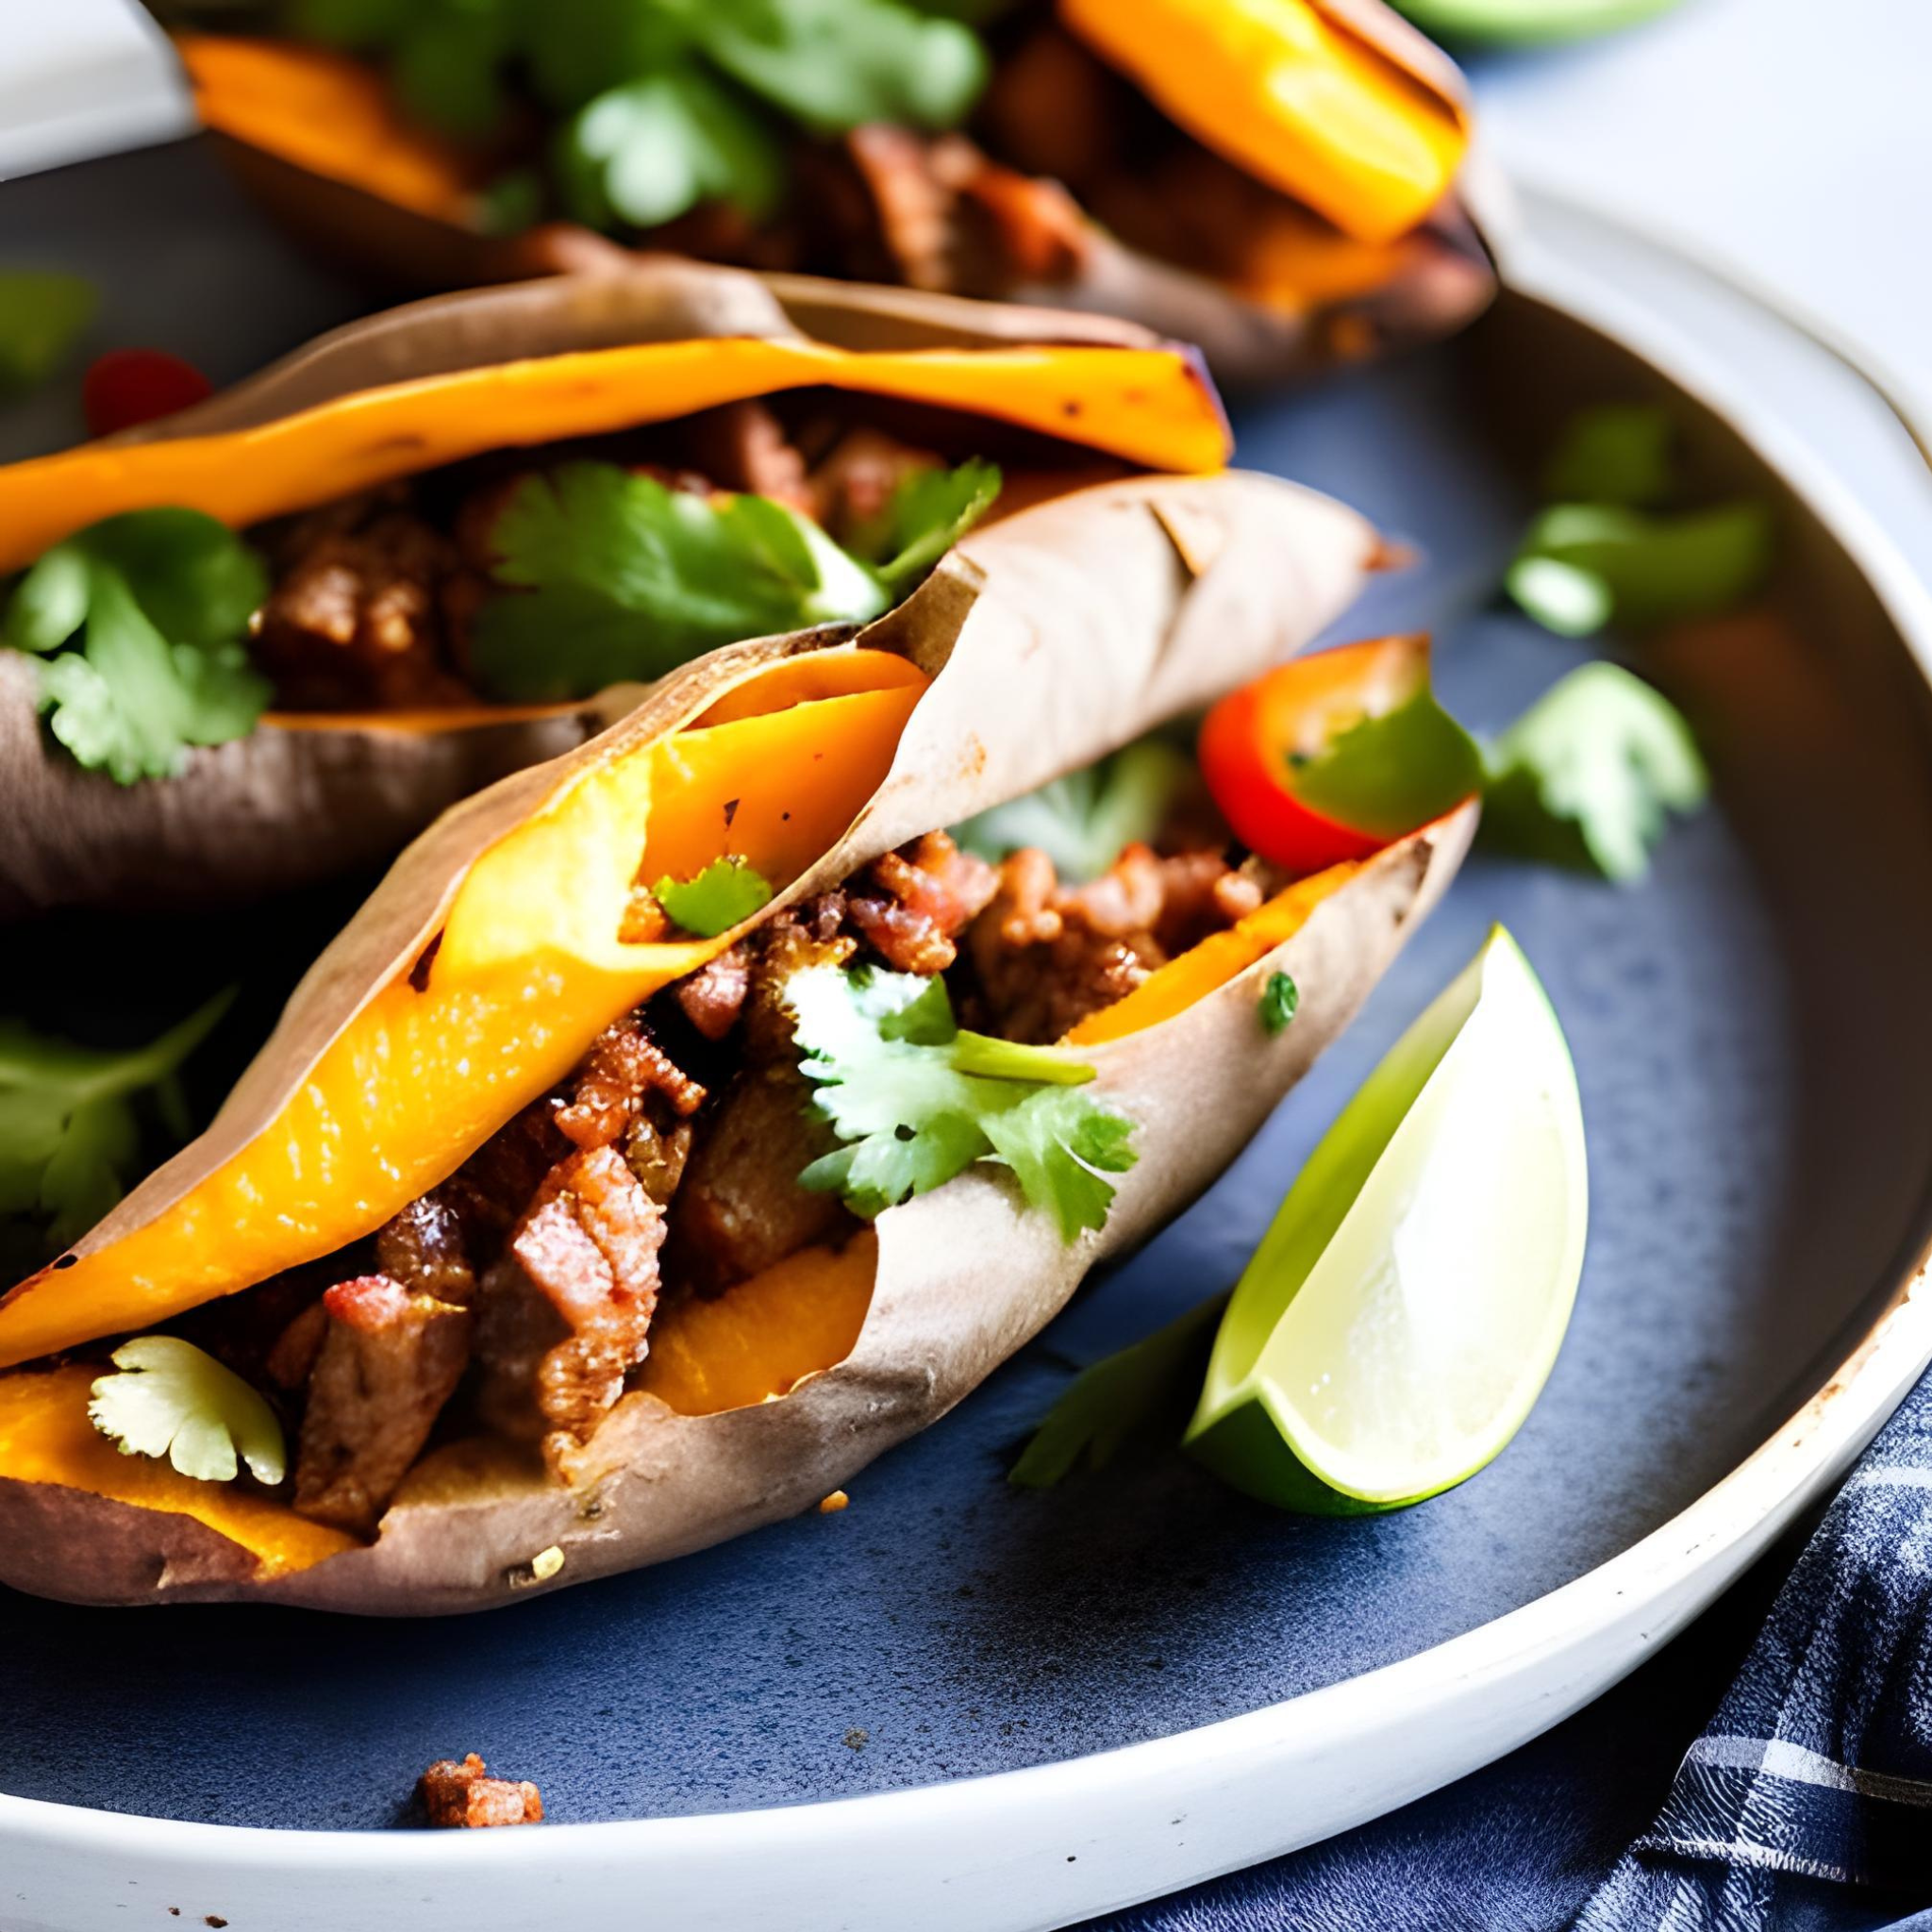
x: 518, y: 1296
x: 372, y: 598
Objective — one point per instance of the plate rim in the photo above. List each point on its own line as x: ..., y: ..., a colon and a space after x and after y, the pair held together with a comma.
x: 1631, y: 1602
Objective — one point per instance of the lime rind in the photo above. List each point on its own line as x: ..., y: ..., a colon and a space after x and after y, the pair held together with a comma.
x: 1400, y: 1318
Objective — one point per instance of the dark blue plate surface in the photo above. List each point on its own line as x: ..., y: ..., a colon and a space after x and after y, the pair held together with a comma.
x: 1740, y: 1027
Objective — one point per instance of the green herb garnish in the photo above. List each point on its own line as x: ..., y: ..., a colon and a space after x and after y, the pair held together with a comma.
x: 42, y: 314
x: 140, y: 621
x: 1082, y: 822
x: 1280, y: 997
x: 1589, y: 773
x: 622, y: 580
x: 172, y: 1399
x: 71, y: 1126
x: 1143, y: 1392
x: 724, y: 894
x: 665, y: 103
x: 917, y: 1101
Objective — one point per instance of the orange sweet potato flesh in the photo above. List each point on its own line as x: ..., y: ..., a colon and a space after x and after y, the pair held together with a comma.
x: 1292, y: 95
x: 527, y: 972
x: 329, y: 113
x: 760, y: 1340
x: 1148, y: 406
x: 45, y: 1437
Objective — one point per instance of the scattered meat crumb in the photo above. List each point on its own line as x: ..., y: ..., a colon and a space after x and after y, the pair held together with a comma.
x: 856, y: 1739
x: 465, y: 1797
x: 831, y: 1504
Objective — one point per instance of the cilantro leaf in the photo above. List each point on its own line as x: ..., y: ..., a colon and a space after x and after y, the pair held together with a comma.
x: 1614, y: 453
x: 172, y: 1399
x: 69, y: 1128
x: 1147, y: 1390
x: 833, y: 65
x: 917, y: 1101
x: 1387, y: 775
x: 158, y: 602
x: 726, y: 892
x: 42, y: 314
x: 1655, y: 568
x: 617, y: 578
x: 1590, y: 773
x: 925, y: 515
x: 625, y: 579
x: 1083, y: 821
x: 653, y: 149
x: 1280, y: 999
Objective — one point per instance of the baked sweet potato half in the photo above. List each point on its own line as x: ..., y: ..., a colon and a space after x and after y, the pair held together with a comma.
x: 268, y: 638
x: 686, y: 1119
x: 1276, y: 182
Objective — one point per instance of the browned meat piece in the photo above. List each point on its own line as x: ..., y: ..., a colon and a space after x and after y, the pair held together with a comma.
x: 465, y: 1796
x: 912, y: 905
x: 389, y: 1362
x: 291, y: 1360
x: 1044, y: 956
x: 565, y: 1313
x: 1202, y: 894
x: 656, y: 1155
x: 740, y: 1207
x: 856, y: 479
x: 713, y: 996
x: 492, y: 1188
x: 357, y: 616
x: 1053, y: 109
x: 624, y: 1067
x: 424, y: 1248
x: 951, y: 219
x: 914, y: 209
x: 743, y: 445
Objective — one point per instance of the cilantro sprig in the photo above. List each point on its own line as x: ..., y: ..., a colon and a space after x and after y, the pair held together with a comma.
x: 1589, y: 775
x: 73, y: 1127
x: 724, y: 894
x: 664, y: 104
x: 1140, y: 1393
x: 1083, y: 821
x: 1610, y: 546
x: 141, y: 623
x: 172, y: 1399
x: 915, y: 1101
x: 614, y: 577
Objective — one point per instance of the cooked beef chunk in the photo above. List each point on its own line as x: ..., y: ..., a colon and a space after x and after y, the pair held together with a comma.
x: 910, y: 906
x: 740, y: 1207
x: 564, y: 1314
x: 1045, y: 955
x: 357, y: 616
x: 713, y: 996
x: 390, y: 1360
x: 745, y: 446
x: 465, y: 1796
x: 425, y: 1249
x: 948, y: 218
x: 623, y: 1070
x: 490, y: 1188
x: 656, y: 1155
x: 291, y: 1362
x: 853, y: 483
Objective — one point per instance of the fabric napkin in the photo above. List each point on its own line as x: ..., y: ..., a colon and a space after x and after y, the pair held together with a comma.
x: 1805, y: 1805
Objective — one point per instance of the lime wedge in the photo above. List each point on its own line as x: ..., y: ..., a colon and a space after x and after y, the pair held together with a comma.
x: 1527, y: 21
x: 1400, y: 1316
